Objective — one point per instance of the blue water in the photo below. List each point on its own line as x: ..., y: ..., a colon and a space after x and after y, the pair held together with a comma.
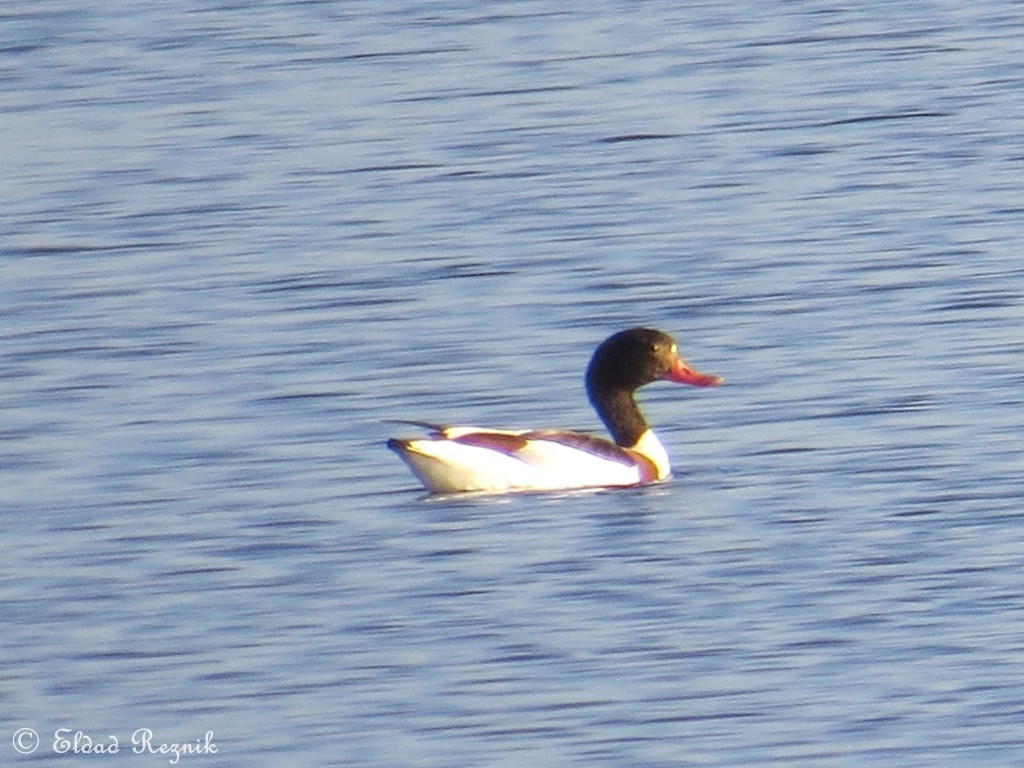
x: 237, y: 240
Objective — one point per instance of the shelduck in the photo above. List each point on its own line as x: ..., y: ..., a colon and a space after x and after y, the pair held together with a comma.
x: 457, y: 459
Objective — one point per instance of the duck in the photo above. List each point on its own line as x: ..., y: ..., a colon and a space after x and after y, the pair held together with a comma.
x: 460, y: 459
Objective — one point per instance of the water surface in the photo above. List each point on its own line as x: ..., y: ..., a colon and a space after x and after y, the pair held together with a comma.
x: 236, y: 241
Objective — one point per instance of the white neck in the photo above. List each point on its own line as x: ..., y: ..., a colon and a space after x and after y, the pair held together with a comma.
x: 650, y: 446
